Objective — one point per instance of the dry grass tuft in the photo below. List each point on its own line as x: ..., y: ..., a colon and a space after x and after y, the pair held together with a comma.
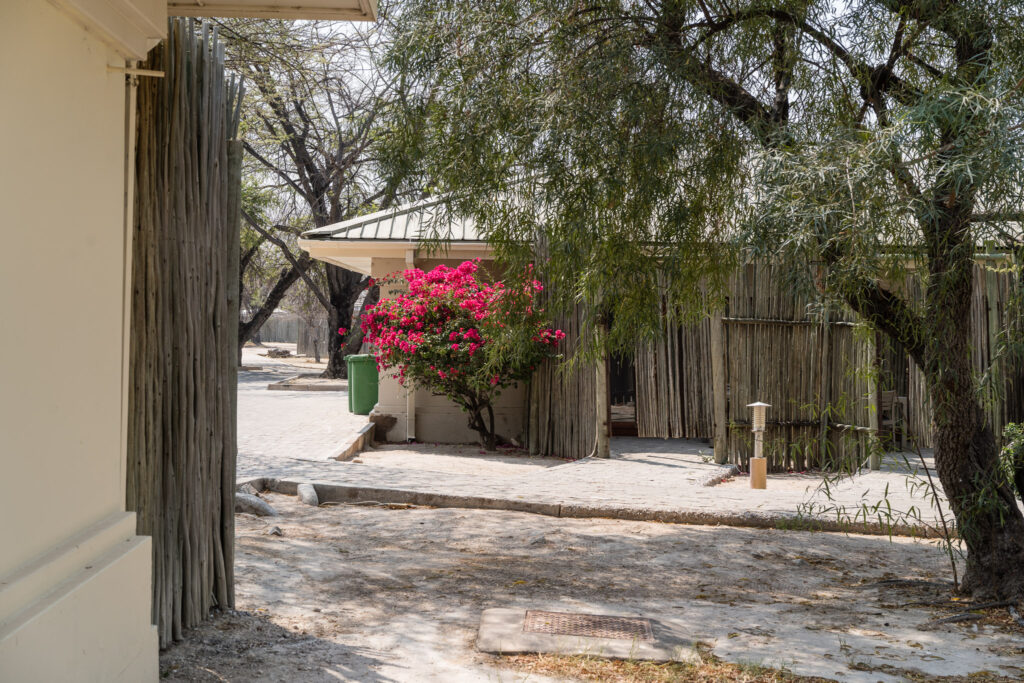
x: 708, y: 670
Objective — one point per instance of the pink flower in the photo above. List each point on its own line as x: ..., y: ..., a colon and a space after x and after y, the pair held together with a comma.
x: 408, y: 329
x: 342, y: 330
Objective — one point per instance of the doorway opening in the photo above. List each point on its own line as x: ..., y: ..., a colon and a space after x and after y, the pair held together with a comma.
x: 622, y: 387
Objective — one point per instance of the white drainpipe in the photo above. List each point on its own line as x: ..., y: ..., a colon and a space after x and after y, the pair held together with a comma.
x: 410, y: 394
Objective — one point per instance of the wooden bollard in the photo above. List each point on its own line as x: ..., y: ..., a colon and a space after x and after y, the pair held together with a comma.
x: 758, y: 466
x: 758, y: 473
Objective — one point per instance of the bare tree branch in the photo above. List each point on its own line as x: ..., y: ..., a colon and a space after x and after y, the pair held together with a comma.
x: 302, y: 268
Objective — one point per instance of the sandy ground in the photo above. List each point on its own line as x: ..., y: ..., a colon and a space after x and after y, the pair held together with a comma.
x: 459, y: 458
x: 253, y: 355
x: 375, y: 594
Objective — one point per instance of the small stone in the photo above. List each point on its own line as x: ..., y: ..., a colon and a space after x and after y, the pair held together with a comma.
x: 307, y: 494
x: 246, y: 502
x: 248, y: 488
x: 538, y: 539
x: 275, y: 531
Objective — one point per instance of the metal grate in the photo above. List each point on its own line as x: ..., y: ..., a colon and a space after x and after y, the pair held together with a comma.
x: 591, y: 625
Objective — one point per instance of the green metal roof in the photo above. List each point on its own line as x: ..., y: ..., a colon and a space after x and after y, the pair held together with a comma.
x: 409, y: 223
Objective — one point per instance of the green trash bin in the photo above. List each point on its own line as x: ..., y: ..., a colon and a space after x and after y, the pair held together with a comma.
x: 362, y: 383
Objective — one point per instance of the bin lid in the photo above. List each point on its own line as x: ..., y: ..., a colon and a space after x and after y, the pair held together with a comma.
x: 360, y: 358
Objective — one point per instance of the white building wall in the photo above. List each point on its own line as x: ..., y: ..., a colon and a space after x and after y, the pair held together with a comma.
x: 74, y: 577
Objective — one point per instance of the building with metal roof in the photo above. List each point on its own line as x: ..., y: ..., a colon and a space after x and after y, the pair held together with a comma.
x: 392, y: 234
x: 387, y: 242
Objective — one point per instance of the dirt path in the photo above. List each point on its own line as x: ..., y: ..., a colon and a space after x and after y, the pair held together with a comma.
x: 371, y: 594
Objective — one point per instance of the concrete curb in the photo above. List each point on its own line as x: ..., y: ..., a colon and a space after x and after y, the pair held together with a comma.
x: 285, y: 384
x: 715, y: 478
x: 357, y: 444
x: 340, y: 493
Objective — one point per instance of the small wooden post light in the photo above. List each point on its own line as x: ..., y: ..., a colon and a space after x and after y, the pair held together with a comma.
x: 758, y: 465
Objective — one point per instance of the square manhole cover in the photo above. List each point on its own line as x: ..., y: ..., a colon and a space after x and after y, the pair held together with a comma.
x: 590, y: 625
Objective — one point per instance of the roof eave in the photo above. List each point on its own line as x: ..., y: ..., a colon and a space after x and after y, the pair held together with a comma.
x: 359, y: 254
x: 359, y: 10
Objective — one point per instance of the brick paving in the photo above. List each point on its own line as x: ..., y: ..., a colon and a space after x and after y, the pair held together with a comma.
x: 287, y: 438
x: 663, y: 480
x: 279, y: 428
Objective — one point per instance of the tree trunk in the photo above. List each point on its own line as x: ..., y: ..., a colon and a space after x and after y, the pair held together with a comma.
x: 354, y: 338
x: 491, y: 442
x: 966, y: 458
x: 343, y: 289
x: 980, y: 495
x: 489, y: 439
x: 249, y: 329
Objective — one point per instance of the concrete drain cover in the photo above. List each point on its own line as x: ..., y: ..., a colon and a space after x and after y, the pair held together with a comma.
x: 589, y: 625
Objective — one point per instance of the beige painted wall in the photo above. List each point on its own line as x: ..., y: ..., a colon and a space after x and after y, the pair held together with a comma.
x: 436, y: 418
x: 74, y: 578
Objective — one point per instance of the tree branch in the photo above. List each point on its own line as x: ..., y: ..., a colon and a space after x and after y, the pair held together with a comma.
x: 303, y: 268
x: 243, y: 262
x: 247, y: 329
x: 277, y: 171
x: 889, y: 313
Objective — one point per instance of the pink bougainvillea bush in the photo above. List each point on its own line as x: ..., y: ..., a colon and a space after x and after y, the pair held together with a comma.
x: 460, y: 336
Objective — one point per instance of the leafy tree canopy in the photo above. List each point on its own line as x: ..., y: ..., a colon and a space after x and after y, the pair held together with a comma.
x: 868, y: 144
x: 620, y: 132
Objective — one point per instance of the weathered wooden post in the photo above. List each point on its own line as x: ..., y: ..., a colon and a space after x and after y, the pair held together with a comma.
x: 824, y: 386
x: 718, y: 387
x: 874, y: 442
x: 180, y: 474
x: 602, y: 404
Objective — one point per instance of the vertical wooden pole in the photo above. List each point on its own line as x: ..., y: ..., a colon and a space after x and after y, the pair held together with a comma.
x: 874, y: 442
x: 718, y: 387
x: 824, y: 388
x: 183, y: 353
x: 602, y: 406
x: 229, y: 345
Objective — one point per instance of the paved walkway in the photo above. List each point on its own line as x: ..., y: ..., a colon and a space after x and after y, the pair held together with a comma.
x: 278, y: 428
x: 647, y: 479
x: 286, y: 438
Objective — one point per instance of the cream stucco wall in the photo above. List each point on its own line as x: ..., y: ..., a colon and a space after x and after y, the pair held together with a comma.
x: 436, y: 419
x: 74, y: 577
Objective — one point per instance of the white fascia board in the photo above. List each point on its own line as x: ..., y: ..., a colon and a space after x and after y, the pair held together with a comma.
x: 131, y: 27
x: 337, y: 10
x: 357, y: 255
